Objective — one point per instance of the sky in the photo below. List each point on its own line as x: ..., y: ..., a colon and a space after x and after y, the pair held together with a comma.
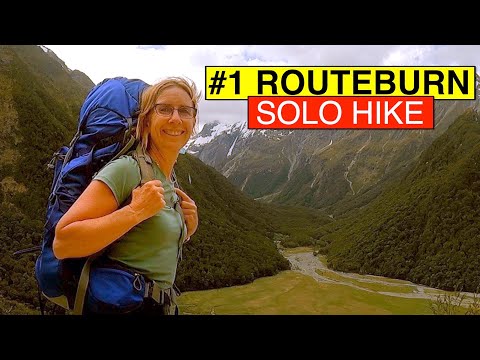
x: 152, y: 62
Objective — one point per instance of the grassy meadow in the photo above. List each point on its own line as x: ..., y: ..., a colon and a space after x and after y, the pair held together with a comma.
x: 292, y: 293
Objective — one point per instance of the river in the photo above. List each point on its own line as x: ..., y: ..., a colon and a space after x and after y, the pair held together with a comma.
x: 307, y: 264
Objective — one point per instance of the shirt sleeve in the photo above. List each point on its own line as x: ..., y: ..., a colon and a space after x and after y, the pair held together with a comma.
x: 121, y: 176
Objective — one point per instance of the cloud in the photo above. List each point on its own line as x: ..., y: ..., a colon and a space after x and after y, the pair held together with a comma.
x: 158, y: 47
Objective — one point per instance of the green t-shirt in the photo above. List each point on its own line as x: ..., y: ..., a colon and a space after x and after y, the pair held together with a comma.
x: 152, y: 246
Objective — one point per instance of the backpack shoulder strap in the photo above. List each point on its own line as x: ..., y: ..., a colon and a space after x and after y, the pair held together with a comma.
x: 145, y: 163
x: 83, y: 285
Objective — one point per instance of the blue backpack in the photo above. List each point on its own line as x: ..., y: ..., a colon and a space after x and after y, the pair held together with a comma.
x: 106, y: 130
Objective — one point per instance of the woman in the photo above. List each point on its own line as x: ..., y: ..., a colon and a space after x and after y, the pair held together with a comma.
x: 144, y: 234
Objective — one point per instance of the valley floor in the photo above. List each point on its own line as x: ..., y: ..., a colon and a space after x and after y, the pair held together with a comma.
x: 311, y: 288
x: 303, y: 261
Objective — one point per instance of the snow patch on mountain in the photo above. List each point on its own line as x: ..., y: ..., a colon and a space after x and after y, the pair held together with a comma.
x: 231, y: 147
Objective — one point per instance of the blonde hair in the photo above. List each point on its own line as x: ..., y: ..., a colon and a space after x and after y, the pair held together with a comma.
x: 149, y: 97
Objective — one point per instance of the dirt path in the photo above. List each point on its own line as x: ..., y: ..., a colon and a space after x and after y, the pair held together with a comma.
x: 306, y: 263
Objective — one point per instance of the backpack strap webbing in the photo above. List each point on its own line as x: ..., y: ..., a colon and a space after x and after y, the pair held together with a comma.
x: 166, y: 297
x: 145, y: 163
x: 183, y: 230
x: 83, y: 285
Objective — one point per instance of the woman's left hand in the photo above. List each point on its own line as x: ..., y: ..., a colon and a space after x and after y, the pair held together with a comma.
x: 190, y: 213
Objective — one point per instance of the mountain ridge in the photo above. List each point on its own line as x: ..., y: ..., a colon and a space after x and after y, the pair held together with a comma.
x: 330, y: 169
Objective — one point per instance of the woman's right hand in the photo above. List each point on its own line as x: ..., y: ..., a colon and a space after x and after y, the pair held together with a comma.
x: 147, y: 200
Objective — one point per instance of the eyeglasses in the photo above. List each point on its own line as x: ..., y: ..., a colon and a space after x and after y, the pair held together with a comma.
x: 166, y: 110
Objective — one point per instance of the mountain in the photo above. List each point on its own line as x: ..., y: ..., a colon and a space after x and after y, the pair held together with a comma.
x: 235, y: 241
x: 39, y: 104
x: 40, y: 99
x: 336, y: 170
x: 425, y: 227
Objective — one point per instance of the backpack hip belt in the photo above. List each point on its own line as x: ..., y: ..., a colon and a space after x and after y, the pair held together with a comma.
x: 162, y: 296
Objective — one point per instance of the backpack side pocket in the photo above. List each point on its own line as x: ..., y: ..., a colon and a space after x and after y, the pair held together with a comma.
x: 114, y: 290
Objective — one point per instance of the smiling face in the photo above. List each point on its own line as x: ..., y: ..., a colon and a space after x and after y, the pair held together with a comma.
x: 171, y: 132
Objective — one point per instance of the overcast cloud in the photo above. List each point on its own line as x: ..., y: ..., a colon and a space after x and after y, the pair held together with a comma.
x: 152, y: 62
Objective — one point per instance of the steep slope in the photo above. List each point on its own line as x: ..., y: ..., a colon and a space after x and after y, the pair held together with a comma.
x: 235, y: 240
x: 39, y: 105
